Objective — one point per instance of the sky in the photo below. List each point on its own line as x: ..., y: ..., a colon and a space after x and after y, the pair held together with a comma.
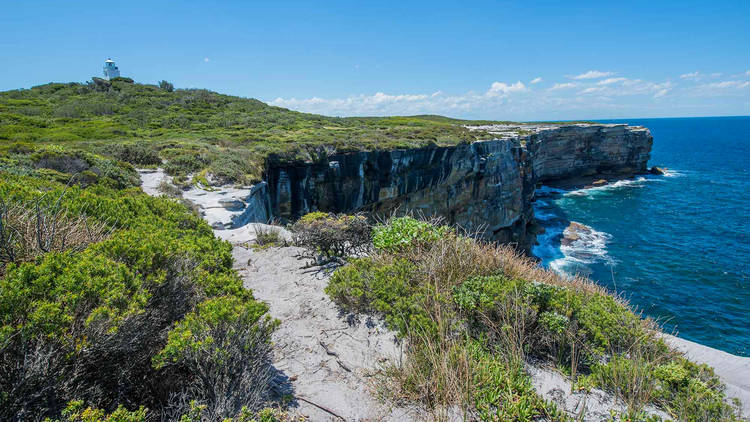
x: 503, y: 60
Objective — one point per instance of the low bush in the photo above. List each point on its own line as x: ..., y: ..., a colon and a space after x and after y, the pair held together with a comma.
x: 76, y: 412
x: 385, y: 288
x: 224, y: 345
x: 331, y: 237
x: 266, y: 235
x: 404, y: 232
x: 31, y: 230
x: 139, y: 153
x: 144, y: 317
x: 472, y: 314
x: 167, y: 86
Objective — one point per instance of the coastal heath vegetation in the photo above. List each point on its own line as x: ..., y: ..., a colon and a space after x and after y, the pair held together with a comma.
x: 119, y: 306
x: 474, y: 314
x: 191, y: 130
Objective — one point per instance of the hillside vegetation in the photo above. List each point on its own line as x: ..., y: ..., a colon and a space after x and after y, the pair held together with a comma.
x: 114, y: 301
x: 474, y: 314
x: 194, y: 130
x: 118, y: 306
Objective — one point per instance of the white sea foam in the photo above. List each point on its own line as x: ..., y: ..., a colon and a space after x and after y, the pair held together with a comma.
x: 588, y: 246
x: 568, y: 250
x: 569, y: 257
x: 625, y: 183
x: 673, y: 173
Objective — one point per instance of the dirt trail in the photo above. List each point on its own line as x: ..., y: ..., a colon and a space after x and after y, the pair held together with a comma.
x: 322, y: 355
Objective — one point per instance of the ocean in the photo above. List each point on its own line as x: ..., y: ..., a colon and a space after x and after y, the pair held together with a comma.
x: 676, y: 246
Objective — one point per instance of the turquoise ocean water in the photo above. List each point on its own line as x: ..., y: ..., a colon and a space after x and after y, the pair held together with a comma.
x: 677, y: 246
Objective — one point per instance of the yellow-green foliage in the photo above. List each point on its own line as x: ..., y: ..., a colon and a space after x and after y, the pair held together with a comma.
x: 76, y: 412
x: 197, y: 129
x: 406, y: 232
x: 193, y: 332
x: 160, y: 286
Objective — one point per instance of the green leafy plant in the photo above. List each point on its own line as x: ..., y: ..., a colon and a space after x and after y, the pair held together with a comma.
x: 403, y: 232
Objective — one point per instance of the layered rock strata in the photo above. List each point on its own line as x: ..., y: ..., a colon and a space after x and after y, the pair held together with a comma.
x: 486, y: 186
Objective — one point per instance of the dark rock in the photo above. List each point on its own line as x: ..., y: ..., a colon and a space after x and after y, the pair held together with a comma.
x: 486, y: 186
x: 657, y: 170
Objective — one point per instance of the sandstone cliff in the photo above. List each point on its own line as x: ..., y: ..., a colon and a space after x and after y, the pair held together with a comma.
x: 589, y: 150
x: 486, y: 185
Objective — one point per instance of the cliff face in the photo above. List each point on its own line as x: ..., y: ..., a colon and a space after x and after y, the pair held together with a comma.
x: 486, y: 185
x: 577, y: 151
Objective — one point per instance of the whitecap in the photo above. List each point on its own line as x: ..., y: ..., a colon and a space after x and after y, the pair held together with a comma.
x: 588, y: 245
x: 569, y: 251
x: 672, y: 173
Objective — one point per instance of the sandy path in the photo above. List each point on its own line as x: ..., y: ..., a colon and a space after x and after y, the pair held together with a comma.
x: 321, y: 354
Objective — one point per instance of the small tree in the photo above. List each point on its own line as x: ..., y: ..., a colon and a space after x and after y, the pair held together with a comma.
x: 167, y: 86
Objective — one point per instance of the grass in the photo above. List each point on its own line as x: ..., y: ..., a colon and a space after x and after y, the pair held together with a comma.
x: 473, y: 314
x: 193, y: 130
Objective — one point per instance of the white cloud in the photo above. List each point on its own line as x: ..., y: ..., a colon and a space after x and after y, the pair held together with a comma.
x: 380, y: 103
x: 609, y: 81
x: 539, y: 79
x: 563, y: 86
x: 503, y: 89
x: 728, y: 84
x: 206, y: 60
x: 585, y: 98
x: 692, y: 76
x: 593, y: 74
x: 592, y: 90
x: 747, y: 73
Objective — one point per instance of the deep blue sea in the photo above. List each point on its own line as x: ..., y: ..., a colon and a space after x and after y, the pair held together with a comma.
x: 677, y: 246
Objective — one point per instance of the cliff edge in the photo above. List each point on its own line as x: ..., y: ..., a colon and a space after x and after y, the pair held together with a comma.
x: 485, y: 186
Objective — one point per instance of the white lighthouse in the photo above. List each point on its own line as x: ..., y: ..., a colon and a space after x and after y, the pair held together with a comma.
x: 110, y: 70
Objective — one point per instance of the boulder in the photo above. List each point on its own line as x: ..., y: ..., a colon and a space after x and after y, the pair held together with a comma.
x: 657, y: 170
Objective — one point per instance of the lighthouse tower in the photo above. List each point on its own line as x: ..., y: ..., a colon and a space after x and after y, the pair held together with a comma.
x: 110, y: 70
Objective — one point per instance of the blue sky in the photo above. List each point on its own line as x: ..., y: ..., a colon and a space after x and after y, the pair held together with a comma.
x: 496, y: 60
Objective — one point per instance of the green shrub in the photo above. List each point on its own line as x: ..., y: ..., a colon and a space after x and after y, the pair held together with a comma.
x: 403, y: 232
x: 224, y: 344
x: 384, y: 288
x: 268, y: 235
x: 104, y: 324
x: 75, y: 412
x: 138, y: 153
x: 167, y: 86
x: 437, y: 288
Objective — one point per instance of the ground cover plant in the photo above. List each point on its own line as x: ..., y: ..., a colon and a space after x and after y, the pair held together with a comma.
x: 193, y: 130
x: 118, y: 306
x: 474, y: 314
